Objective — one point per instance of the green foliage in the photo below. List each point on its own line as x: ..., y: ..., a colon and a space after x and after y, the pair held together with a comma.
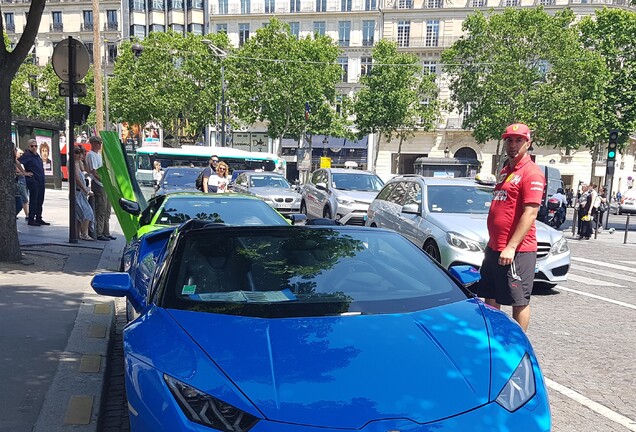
x: 390, y: 101
x: 524, y: 65
x: 303, y: 71
x: 611, y: 34
x: 176, y: 82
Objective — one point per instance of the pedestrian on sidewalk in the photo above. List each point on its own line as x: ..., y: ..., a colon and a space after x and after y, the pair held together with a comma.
x: 83, y: 211
x: 102, y: 205
x: 588, y: 212
x: 603, y: 206
x: 32, y: 163
x: 507, y: 273
x: 21, y: 175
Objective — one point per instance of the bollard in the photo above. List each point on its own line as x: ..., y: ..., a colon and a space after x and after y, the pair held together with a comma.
x: 626, y: 228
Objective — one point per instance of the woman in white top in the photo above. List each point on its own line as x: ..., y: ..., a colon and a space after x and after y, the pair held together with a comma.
x: 157, y: 174
x: 83, y: 212
x: 221, y: 179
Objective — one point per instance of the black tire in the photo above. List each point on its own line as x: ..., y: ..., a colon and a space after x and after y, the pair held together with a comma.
x: 326, y: 213
x: 430, y: 247
x: 303, y: 208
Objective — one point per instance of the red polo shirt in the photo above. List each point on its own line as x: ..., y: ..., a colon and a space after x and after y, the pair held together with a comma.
x: 517, y: 187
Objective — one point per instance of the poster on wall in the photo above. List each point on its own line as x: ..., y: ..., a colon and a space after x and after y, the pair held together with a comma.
x: 152, y: 135
x: 45, y: 144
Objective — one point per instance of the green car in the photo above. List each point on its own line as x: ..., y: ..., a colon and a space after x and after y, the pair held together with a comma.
x: 138, y: 216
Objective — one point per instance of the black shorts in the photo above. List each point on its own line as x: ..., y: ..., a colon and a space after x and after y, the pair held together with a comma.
x: 508, y: 285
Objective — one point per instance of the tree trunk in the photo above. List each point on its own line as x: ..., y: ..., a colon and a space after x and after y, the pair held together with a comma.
x: 495, y: 165
x: 399, y: 153
x: 376, y: 150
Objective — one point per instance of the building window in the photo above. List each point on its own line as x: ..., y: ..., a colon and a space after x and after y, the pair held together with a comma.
x: 195, y: 4
x: 345, y: 5
x: 222, y: 7
x: 112, y: 21
x: 405, y: 4
x: 433, y: 4
x: 403, y: 33
x: 87, y: 17
x: 175, y: 4
x: 89, y: 48
x: 370, y: 5
x: 509, y: 3
x: 294, y: 28
x: 157, y: 28
x: 111, y: 53
x: 9, y: 22
x: 221, y: 28
x: 155, y: 5
x: 432, y: 33
x: 137, y: 5
x: 196, y: 29
x: 244, y: 33
x: 547, y: 2
x: 57, y: 21
x: 245, y: 7
x: 178, y: 28
x: 138, y: 31
x: 344, y: 64
x: 294, y: 5
x: 429, y: 67
x: 477, y: 3
x: 270, y: 6
x: 365, y: 63
x: 321, y: 5
x: 344, y: 33
x: 368, y: 29
x: 319, y: 28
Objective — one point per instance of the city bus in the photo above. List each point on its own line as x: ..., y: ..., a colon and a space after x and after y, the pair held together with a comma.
x: 199, y: 156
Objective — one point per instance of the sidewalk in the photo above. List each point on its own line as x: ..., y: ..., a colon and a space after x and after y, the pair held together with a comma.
x: 615, y: 236
x: 72, y: 331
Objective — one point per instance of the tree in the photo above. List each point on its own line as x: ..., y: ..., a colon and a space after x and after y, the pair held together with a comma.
x: 611, y: 34
x: 10, y: 62
x: 175, y: 82
x: 274, y: 75
x: 524, y: 65
x: 397, y: 98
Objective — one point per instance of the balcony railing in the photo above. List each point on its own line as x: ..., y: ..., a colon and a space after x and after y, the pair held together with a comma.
x: 87, y: 27
x: 112, y: 26
x: 425, y: 42
x: 283, y: 7
x: 10, y: 28
x: 57, y: 27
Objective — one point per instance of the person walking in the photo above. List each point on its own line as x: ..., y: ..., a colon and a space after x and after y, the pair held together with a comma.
x: 507, y: 273
x: 208, y: 172
x: 32, y: 163
x: 102, y: 205
x: 157, y: 175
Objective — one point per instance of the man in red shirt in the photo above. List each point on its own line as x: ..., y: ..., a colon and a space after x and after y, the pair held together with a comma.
x: 507, y: 273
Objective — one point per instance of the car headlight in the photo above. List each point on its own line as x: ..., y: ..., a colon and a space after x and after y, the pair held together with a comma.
x: 266, y: 199
x: 461, y: 242
x: 561, y: 246
x: 207, y: 410
x: 345, y: 201
x: 520, y: 388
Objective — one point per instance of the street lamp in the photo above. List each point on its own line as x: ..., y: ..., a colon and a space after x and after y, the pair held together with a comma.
x: 219, y: 53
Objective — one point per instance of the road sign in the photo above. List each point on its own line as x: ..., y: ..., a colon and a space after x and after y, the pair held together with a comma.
x: 60, y: 60
x: 79, y: 90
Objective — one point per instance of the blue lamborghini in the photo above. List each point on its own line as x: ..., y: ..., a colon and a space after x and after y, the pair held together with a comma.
x: 318, y: 329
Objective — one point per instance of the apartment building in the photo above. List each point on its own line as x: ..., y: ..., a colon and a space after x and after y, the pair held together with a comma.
x: 140, y: 17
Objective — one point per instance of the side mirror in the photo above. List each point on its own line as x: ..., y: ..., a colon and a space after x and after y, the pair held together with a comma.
x: 411, y: 208
x: 322, y: 186
x: 129, y: 206
x: 112, y: 284
x: 297, y: 218
x: 467, y: 275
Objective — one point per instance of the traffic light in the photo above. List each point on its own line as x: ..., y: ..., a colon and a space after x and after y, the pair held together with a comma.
x: 612, y: 146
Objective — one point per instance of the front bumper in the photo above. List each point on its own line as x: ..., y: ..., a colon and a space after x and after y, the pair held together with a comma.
x: 354, y: 214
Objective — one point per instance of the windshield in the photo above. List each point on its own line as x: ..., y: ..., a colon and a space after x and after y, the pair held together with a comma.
x: 269, y: 181
x: 299, y: 271
x: 180, y: 178
x: 356, y: 181
x: 459, y: 199
x: 230, y: 211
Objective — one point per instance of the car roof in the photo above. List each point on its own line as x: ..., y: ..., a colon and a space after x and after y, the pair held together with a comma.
x: 348, y: 171
x: 438, y: 181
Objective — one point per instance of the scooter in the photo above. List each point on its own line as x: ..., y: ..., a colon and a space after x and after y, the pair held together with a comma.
x: 554, y: 218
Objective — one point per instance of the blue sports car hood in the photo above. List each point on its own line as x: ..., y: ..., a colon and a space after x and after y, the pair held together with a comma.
x: 343, y: 371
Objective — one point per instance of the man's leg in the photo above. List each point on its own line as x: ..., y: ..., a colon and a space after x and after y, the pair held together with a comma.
x: 100, y: 209
x: 493, y: 303
x: 521, y: 314
x: 40, y: 203
x: 32, y: 187
x: 107, y: 210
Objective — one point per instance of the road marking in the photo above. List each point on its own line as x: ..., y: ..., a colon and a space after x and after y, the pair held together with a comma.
x: 601, y: 272
x: 616, y: 302
x: 594, y: 406
x: 589, y: 281
x: 604, y: 264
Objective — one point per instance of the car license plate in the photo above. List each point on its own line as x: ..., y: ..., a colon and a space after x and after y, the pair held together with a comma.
x: 284, y: 206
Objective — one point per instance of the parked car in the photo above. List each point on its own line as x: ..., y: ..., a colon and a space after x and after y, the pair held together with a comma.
x: 177, y: 178
x: 627, y: 203
x: 341, y: 194
x: 318, y: 328
x: 446, y: 217
x: 271, y: 188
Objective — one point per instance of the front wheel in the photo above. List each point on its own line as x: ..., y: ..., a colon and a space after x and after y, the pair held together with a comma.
x: 430, y: 247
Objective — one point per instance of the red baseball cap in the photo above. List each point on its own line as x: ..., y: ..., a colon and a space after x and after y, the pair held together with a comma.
x: 517, y: 129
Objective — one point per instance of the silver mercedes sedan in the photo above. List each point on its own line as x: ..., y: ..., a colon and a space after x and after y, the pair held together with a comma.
x: 446, y: 217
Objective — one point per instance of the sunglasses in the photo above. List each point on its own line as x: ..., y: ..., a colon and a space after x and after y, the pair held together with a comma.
x: 221, y: 169
x: 215, y: 161
x: 33, y: 146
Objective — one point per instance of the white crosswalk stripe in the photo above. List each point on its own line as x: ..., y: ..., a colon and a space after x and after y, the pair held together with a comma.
x: 600, y: 272
x: 589, y: 281
x: 605, y: 264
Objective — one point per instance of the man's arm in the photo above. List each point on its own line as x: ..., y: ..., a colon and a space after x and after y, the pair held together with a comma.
x: 525, y: 223
x: 92, y: 171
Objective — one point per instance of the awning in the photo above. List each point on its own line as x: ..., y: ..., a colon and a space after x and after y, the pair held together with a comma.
x: 332, y: 142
